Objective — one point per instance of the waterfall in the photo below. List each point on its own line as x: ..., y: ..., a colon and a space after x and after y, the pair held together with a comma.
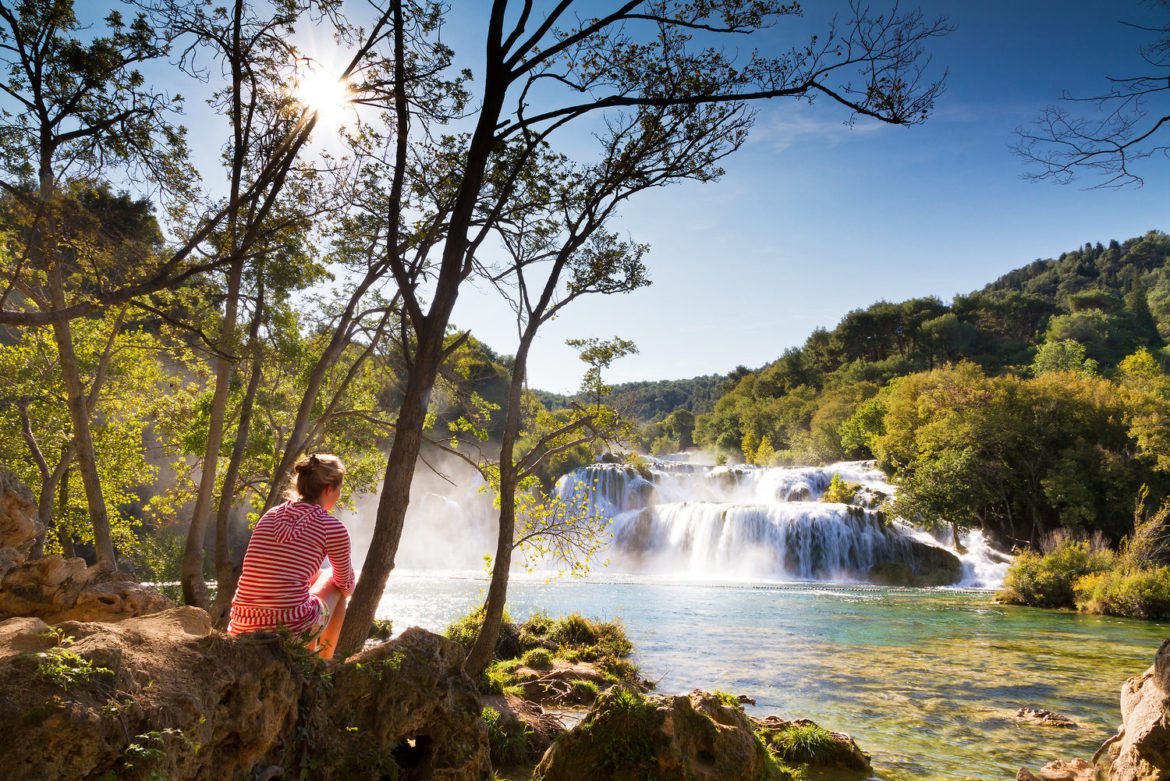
x: 745, y: 522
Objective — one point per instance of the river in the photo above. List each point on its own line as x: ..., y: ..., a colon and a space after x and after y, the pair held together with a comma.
x: 927, y: 681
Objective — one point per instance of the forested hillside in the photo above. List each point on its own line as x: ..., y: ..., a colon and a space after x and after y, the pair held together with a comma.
x: 1039, y: 401
x: 654, y: 399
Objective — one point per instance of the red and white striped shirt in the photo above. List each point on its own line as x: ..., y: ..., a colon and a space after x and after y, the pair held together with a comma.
x: 284, y: 555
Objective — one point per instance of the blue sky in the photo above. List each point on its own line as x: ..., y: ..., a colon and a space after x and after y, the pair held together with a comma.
x: 814, y: 218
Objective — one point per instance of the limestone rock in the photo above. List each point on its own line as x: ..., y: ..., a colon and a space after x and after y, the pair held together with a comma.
x: 177, y: 700
x: 52, y: 587
x: 924, y: 566
x: 409, y: 693
x: 165, y: 695
x: 699, y: 737
x: 1143, y: 751
x: 1077, y: 770
x: 1044, y: 718
x: 627, y: 737
x: 18, y: 520
x: 840, y: 759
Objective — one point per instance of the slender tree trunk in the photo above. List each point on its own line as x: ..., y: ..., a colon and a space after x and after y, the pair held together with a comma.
x: 63, y: 535
x: 226, y: 571
x: 194, y: 587
x: 79, y: 417
x: 391, y: 514
x: 429, y: 330
x: 482, y: 650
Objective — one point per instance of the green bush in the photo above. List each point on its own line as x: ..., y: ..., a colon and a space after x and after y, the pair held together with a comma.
x: 382, y: 629
x: 802, y: 744
x: 840, y: 491
x: 508, y: 747
x: 1136, y: 593
x: 1046, y: 580
x: 540, y: 639
x: 538, y: 659
x: 585, y: 690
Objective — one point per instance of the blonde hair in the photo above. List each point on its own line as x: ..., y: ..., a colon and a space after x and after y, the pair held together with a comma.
x: 314, y: 473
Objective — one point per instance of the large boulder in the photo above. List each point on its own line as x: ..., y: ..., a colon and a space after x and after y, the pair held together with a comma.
x: 18, y: 521
x: 1142, y: 750
x: 167, y: 696
x: 52, y: 587
x: 406, y: 702
x: 923, y: 565
x: 159, y: 696
x: 696, y: 737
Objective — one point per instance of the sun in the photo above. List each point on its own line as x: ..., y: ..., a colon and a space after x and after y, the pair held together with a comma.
x: 324, y: 93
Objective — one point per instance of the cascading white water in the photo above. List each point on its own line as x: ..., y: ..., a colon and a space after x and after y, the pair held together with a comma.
x: 749, y: 522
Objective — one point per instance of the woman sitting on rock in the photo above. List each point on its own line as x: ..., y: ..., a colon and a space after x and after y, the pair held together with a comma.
x: 282, y: 584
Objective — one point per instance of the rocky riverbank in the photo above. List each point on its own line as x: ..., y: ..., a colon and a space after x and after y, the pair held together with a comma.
x: 150, y: 691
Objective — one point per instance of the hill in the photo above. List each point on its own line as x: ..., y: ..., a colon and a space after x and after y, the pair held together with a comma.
x: 655, y: 399
x: 1037, y: 402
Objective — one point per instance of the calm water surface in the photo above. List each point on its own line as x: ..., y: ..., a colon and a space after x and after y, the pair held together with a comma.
x: 925, y: 681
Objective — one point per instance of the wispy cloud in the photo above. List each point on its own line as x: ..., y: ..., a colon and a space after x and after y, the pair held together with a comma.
x: 777, y: 130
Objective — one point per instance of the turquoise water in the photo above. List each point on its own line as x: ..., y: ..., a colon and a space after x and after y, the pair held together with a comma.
x: 925, y: 681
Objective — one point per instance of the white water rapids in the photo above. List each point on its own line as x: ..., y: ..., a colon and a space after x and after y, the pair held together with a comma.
x: 752, y: 523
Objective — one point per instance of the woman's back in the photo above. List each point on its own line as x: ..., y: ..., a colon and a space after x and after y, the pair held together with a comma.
x: 284, y: 554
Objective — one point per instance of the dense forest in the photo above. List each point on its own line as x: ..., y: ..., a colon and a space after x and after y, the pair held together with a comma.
x: 1040, y: 401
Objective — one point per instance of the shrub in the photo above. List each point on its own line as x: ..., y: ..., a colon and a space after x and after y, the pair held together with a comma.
x: 534, y: 632
x: 1046, y: 580
x: 585, y: 690
x: 1134, y: 593
x: 573, y: 630
x: 507, y: 746
x: 464, y: 631
x: 802, y: 744
x: 538, y: 659
x: 840, y: 491
x: 498, y: 677
x: 541, y: 639
x: 382, y: 629
x: 590, y: 640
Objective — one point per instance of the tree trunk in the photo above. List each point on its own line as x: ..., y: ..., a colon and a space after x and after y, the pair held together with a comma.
x: 194, y: 587
x: 227, y: 573
x: 63, y: 535
x: 482, y: 650
x: 391, y: 514
x: 79, y: 417
x: 429, y: 330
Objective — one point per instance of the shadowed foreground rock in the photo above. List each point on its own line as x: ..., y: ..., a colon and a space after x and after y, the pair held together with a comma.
x: 55, y: 588
x: 165, y: 696
x: 696, y: 737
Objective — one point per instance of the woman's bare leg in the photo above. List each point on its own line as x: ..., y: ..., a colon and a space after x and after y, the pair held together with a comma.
x: 327, y: 591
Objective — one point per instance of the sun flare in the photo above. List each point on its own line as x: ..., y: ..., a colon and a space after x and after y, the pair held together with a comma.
x: 327, y: 95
